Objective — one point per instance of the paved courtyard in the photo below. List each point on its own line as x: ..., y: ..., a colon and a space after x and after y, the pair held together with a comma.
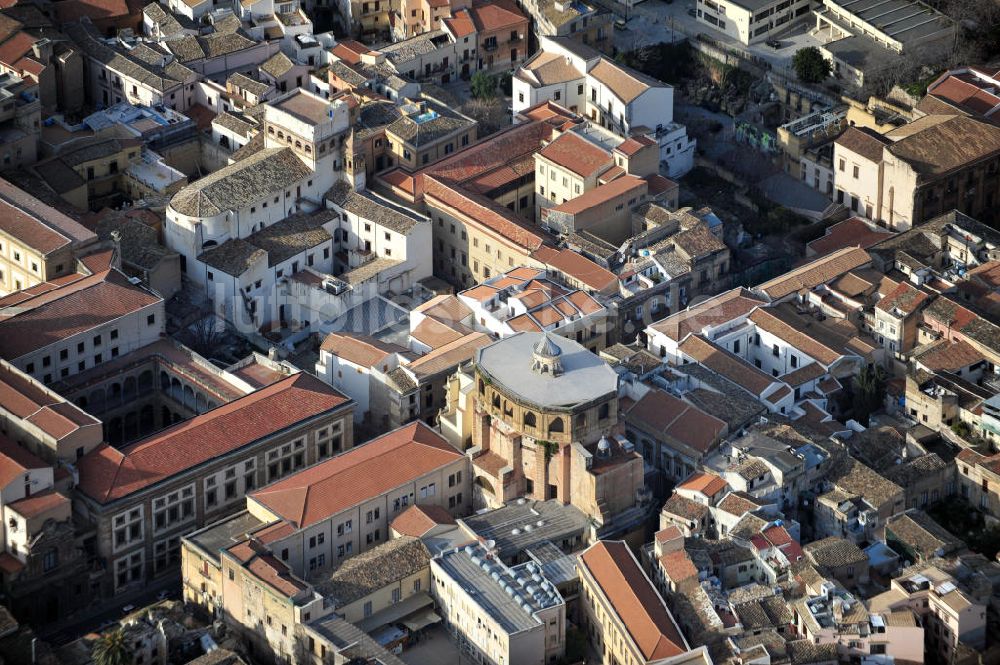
x: 435, y: 648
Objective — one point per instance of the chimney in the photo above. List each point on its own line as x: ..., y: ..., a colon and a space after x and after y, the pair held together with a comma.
x: 42, y: 50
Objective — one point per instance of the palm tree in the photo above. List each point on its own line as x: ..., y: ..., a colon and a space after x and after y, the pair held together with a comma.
x: 869, y: 386
x: 111, y: 648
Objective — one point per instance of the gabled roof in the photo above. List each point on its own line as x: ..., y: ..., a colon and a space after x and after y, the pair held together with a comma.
x: 107, y: 474
x: 359, y: 474
x: 625, y: 83
x: 577, y: 154
x: 712, y: 312
x: 814, y: 273
x: 15, y: 461
x: 418, y: 520
x: 55, y: 315
x: 361, y: 350
x: 632, y: 597
x: 664, y: 413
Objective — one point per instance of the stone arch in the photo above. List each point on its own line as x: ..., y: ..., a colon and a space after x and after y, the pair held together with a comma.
x: 129, y: 389
x: 604, y: 412
x: 201, y: 403
x: 164, y: 381
x: 530, y: 420
x: 483, y: 484
x: 581, y: 420
x: 147, y: 420
x: 115, y: 394
x: 176, y: 391
x: 189, y: 399
x: 131, y: 427
x: 556, y: 425
x: 97, y: 400
x: 145, y: 382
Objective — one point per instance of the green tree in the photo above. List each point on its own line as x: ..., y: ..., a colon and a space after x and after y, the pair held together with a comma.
x: 869, y: 390
x: 810, y: 65
x: 484, y: 86
x: 111, y: 648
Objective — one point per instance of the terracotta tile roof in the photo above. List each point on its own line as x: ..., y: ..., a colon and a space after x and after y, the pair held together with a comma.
x: 445, y: 308
x: 950, y: 356
x: 708, y: 484
x: 361, y: 473
x: 417, y: 520
x: 480, y: 211
x: 632, y: 145
x: 814, y: 273
x: 578, y: 267
x: 633, y: 598
x: 663, y: 413
x: 944, y: 145
x: 965, y: 92
x: 905, y: 299
x: 36, y: 224
x: 349, y: 51
x: 15, y: 461
x: 625, y: 186
x: 38, y: 504
x: 268, y: 569
x: 28, y: 400
x: 679, y: 505
x: 677, y: 566
x: 435, y: 334
x: 853, y: 232
x: 107, y: 474
x: 625, y: 83
x: 767, y: 320
x: 712, y: 312
x: 726, y: 364
x: 59, y: 314
x: 548, y: 68
x: 448, y: 356
x: 738, y: 503
x: 460, y: 24
x: 361, y: 350
x: 863, y: 141
x: 497, y: 15
x: 658, y: 184
x: 577, y: 154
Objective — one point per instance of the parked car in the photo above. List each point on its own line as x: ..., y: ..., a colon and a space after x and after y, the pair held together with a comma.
x: 773, y: 43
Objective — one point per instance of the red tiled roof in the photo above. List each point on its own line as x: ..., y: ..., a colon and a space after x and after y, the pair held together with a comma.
x: 658, y: 184
x: 712, y: 312
x: 15, y: 461
x: 107, y: 474
x: 853, y: 232
x: 497, y: 15
x: 38, y: 504
x: 814, y: 273
x: 633, y: 598
x: 677, y: 565
x: 460, y: 24
x: 577, y: 154
x: 70, y: 11
x: 766, y: 320
x: 361, y: 473
x: 578, y: 267
x: 14, y: 48
x: 23, y: 398
x: 61, y: 313
x: 726, y: 364
x: 359, y: 349
x: 708, y: 484
x: 481, y: 211
x: 662, y: 412
x: 626, y: 185
x: 905, y: 298
x: 417, y: 520
x: 965, y: 94
x: 634, y: 144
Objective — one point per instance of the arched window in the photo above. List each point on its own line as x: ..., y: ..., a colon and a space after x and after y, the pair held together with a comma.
x: 482, y: 385
x: 604, y: 412
x: 581, y: 420
x: 556, y: 426
x: 529, y: 419
x: 496, y: 400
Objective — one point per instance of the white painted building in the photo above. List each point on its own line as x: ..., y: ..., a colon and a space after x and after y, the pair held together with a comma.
x: 618, y: 98
x: 752, y: 21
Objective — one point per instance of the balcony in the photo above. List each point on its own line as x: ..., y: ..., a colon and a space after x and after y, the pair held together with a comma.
x: 490, y: 47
